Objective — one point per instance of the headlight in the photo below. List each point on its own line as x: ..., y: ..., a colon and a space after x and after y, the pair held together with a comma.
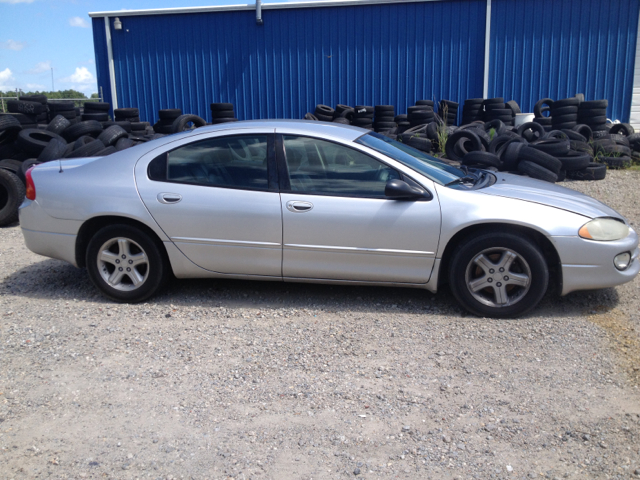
x: 604, y: 229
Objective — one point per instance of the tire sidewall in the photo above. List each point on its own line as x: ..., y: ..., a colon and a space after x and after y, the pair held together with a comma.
x: 528, y: 250
x: 158, y: 266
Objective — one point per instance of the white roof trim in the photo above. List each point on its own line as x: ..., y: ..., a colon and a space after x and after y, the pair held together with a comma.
x: 265, y: 6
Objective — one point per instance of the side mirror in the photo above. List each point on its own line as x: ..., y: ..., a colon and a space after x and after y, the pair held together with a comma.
x: 399, y: 190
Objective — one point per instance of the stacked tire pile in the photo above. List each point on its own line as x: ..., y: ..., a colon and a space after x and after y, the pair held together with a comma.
x: 530, y: 150
x: 542, y: 107
x: 29, y: 110
x: 421, y: 113
x: 473, y: 110
x: 448, y: 112
x: 343, y: 114
x: 594, y: 114
x: 497, y: 109
x: 615, y: 148
x: 417, y: 137
x: 65, y: 109
x: 222, y: 113
x: 384, y: 118
x: 23, y: 145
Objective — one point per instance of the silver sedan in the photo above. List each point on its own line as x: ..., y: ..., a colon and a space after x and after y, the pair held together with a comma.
x: 317, y: 202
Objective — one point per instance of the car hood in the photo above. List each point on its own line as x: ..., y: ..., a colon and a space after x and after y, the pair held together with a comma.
x: 545, y: 193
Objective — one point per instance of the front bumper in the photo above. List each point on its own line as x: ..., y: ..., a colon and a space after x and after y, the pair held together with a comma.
x: 588, y: 264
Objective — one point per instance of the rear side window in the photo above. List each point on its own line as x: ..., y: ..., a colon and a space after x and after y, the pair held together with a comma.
x: 236, y: 162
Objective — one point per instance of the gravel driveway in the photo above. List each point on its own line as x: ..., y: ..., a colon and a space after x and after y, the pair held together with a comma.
x: 231, y: 379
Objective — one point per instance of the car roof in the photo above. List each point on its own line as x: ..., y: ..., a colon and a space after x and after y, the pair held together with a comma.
x: 301, y: 127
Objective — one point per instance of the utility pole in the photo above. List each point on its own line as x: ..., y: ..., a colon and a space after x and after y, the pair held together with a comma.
x: 52, y: 87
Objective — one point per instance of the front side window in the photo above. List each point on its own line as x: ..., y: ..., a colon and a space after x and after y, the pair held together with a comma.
x: 325, y: 168
x: 235, y: 161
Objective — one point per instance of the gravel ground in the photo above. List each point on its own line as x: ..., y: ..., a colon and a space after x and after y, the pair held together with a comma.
x: 246, y: 380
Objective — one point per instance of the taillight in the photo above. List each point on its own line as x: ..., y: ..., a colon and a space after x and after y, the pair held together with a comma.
x: 31, y: 187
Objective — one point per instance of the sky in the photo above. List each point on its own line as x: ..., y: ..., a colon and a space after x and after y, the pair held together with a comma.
x: 37, y: 36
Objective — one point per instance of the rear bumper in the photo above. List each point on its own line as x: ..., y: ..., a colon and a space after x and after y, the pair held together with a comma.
x: 54, y: 245
x: 588, y: 264
x: 48, y: 236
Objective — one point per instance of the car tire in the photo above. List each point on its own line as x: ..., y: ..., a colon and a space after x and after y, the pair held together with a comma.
x: 525, y: 269
x: 54, y: 150
x: 116, y: 246
x: 594, y: 171
x: 537, y: 171
x: 12, y: 193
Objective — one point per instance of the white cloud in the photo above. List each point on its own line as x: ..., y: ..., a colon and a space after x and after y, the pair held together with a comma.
x: 13, y: 45
x: 6, y: 76
x: 78, y: 22
x: 82, y: 76
x: 40, y: 67
x: 35, y: 86
x: 16, y: 1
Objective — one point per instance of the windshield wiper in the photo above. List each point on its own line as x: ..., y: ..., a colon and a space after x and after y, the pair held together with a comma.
x: 465, y: 179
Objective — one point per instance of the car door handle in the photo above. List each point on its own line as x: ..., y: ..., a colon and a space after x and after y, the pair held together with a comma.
x: 299, y: 207
x: 169, y: 198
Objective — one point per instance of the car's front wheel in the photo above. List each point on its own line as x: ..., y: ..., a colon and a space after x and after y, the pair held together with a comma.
x: 125, y: 264
x: 498, y: 275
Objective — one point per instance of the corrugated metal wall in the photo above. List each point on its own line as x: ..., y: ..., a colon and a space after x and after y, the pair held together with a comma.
x: 367, y: 54
x: 557, y: 48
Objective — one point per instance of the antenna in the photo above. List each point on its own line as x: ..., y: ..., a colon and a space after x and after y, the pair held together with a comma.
x: 60, y: 162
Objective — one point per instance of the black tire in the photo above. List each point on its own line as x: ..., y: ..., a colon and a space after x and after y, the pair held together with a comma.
x: 12, y: 193
x: 562, y: 175
x: 310, y: 116
x: 9, y: 128
x: 592, y: 112
x: 581, y: 147
x: 324, y: 110
x: 555, y: 134
x: 11, y: 165
x: 557, y: 112
x: 531, y: 131
x: 497, y: 125
x: 384, y: 125
x: 494, y: 248
x: 181, y: 123
x: 58, y: 124
x: 106, y: 151
x: 595, y: 171
x: 575, y: 161
x: 112, y: 134
x: 54, y: 150
x: 499, y: 142
x: 468, y: 137
x: 27, y: 108
x: 34, y: 98
x: 97, y: 116
x: 491, y: 101
x: 541, y: 158
x: 126, y: 112
x: 214, y: 107
x: 96, y: 106
x: 76, y: 131
x: 327, y: 118
x: 594, y: 104
x: 169, y: 113
x: 554, y: 146
x: 622, y: 161
x: 88, y: 150
x: 623, y: 128
x: 594, y: 120
x: 124, y: 143
x: 537, y: 109
x: 419, y: 143
x: 537, y: 171
x: 566, y: 102
x: 33, y: 140
x: 152, y: 274
x: 486, y: 159
x: 584, y: 130
x: 215, y: 121
x: 222, y: 114
x: 513, y: 105
x: 429, y: 103
x: 561, y: 119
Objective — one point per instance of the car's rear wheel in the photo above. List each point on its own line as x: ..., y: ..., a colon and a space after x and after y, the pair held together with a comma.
x: 498, y: 275
x: 125, y: 264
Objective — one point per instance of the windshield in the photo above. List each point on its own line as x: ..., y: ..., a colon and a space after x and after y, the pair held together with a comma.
x: 429, y: 166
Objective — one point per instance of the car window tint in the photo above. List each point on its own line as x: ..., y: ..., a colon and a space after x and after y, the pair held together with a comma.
x: 326, y: 168
x: 235, y: 161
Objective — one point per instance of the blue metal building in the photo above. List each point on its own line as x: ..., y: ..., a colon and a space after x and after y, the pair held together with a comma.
x: 366, y: 52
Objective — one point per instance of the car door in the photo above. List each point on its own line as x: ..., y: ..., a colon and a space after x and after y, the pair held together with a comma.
x: 337, y: 222
x: 217, y: 199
